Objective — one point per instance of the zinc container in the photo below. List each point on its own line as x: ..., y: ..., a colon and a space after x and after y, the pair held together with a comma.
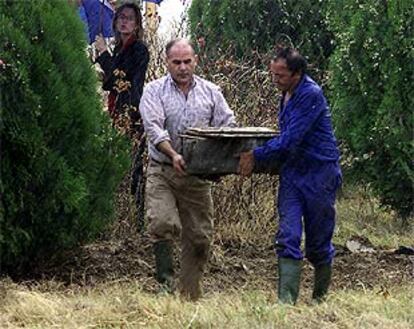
x: 216, y: 151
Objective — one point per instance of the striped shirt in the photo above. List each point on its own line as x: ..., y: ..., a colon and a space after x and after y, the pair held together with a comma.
x: 167, y: 112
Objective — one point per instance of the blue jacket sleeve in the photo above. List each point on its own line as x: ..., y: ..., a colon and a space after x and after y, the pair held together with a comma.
x: 306, y: 111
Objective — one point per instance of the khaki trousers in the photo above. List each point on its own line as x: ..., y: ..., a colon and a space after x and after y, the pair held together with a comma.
x: 181, y: 207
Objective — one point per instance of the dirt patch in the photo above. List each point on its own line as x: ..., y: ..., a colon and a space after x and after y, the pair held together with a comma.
x: 230, y: 267
x: 124, y: 253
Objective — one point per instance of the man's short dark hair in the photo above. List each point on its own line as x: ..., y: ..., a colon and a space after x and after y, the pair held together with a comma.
x: 294, y: 60
x: 171, y: 43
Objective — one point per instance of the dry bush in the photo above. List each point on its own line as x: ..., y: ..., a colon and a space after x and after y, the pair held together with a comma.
x: 244, y: 208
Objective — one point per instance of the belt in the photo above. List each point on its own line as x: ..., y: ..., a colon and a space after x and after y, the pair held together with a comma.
x: 161, y: 163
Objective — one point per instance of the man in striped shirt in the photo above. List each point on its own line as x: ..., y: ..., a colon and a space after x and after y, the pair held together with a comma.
x: 178, y: 204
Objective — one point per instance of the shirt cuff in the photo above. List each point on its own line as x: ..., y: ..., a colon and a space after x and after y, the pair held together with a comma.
x: 164, y: 136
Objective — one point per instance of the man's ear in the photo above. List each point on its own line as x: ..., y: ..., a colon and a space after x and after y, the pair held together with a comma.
x: 298, y: 75
x: 196, y: 59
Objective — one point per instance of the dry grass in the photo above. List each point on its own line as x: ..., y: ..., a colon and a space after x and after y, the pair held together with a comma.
x: 360, y: 214
x: 125, y: 305
x: 245, y: 211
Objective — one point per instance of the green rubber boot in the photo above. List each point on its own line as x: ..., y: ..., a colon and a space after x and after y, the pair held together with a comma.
x: 322, y: 280
x: 164, y: 265
x: 289, y: 280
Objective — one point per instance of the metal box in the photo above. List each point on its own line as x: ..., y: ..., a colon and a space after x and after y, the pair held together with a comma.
x: 216, y: 151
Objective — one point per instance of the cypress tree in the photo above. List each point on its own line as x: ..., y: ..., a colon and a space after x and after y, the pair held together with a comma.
x: 259, y: 25
x: 60, y: 159
x: 371, y: 95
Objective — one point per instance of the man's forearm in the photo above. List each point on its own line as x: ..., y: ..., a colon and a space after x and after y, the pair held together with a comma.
x: 166, y: 148
x: 246, y: 164
x: 176, y: 158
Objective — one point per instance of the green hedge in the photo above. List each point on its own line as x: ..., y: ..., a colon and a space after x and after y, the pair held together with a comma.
x: 248, y: 25
x: 372, y: 95
x: 60, y: 159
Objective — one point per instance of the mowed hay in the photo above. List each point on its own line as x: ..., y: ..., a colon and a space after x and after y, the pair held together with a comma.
x: 125, y: 305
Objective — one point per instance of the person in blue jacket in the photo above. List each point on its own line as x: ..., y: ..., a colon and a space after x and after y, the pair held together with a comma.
x: 308, y: 157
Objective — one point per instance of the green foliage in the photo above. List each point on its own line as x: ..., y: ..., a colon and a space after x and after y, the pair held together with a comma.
x: 248, y: 25
x: 60, y: 159
x: 372, y: 94
x: 370, y: 73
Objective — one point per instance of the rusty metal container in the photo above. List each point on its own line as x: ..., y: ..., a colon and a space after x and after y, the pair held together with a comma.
x: 215, y: 151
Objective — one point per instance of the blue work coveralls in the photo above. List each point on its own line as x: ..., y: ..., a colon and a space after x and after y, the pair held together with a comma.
x: 307, y: 153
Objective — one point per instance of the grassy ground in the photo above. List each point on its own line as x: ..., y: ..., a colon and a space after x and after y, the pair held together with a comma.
x: 125, y: 305
x: 109, y: 284
x: 359, y: 214
x: 250, y: 218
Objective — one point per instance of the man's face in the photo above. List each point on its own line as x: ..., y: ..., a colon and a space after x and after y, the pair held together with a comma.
x: 181, y: 62
x: 284, y: 79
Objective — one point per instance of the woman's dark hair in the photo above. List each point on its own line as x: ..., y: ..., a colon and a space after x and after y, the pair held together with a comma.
x: 294, y: 60
x: 139, y: 32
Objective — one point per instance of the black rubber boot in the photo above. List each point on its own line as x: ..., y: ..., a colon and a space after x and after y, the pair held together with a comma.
x: 289, y: 280
x: 322, y: 280
x: 163, y: 252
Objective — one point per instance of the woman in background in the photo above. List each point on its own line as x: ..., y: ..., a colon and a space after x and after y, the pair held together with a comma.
x: 124, y: 76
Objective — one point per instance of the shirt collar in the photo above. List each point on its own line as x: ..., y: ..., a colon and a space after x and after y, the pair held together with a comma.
x: 302, y: 81
x: 131, y: 40
x: 174, y: 84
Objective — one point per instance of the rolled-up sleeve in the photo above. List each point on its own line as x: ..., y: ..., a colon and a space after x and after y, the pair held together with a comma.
x: 223, y: 115
x: 153, y: 116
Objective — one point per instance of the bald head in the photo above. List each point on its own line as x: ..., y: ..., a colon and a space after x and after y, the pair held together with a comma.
x: 181, y: 62
x: 179, y: 43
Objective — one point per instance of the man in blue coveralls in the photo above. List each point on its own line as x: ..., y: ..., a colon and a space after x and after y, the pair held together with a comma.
x: 307, y: 154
